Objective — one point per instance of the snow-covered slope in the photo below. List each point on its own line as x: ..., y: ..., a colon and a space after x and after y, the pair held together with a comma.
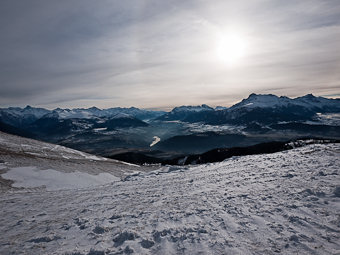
x: 94, y: 112
x: 141, y: 114
x: 198, y: 108
x: 17, y: 144
x: 271, y: 109
x: 14, y: 115
x: 17, y: 116
x: 28, y: 110
x: 33, y: 164
x: 257, y: 108
x: 263, y: 101
x: 75, y: 113
x: 271, y: 101
x: 188, y: 113
x: 282, y: 203
x: 312, y: 102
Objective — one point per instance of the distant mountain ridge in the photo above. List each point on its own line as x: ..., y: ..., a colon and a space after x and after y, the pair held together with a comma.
x: 53, y: 125
x: 29, y: 114
x: 271, y: 109
x: 185, y: 129
x: 259, y: 108
x: 270, y: 101
x: 188, y: 113
x: 266, y: 108
x: 306, y: 104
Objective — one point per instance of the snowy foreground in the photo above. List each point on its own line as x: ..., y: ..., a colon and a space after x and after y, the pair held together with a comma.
x: 286, y: 203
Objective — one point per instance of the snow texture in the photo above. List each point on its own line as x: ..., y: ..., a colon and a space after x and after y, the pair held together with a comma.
x: 18, y: 144
x: 282, y: 203
x: 31, y: 177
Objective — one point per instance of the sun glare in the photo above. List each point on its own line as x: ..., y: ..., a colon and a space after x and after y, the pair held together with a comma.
x: 231, y: 48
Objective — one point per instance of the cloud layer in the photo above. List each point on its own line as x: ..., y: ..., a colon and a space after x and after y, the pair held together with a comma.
x: 73, y: 53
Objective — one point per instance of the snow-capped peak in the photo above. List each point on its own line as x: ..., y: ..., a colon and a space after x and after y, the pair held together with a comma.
x: 28, y: 110
x: 198, y: 108
x: 308, y: 101
x: 263, y: 101
x: 312, y: 102
x: 73, y: 114
x: 121, y: 115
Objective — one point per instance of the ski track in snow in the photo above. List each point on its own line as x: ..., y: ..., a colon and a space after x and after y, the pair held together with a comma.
x: 282, y: 203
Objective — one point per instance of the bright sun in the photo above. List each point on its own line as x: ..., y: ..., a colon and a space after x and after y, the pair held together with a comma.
x: 231, y: 48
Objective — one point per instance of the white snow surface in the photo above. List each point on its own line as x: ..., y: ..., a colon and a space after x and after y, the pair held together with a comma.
x: 94, y: 112
x: 42, y: 149
x: 272, y: 101
x: 74, y: 113
x: 263, y: 101
x: 189, y: 108
x: 28, y: 110
x: 282, y: 203
x: 156, y: 139
x: 32, y: 177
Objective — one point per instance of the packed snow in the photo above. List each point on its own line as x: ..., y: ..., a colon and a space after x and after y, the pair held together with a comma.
x: 281, y: 203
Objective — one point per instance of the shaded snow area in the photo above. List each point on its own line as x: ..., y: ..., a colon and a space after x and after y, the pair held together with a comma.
x: 31, y: 177
x: 17, y: 144
x: 33, y: 163
x: 37, y: 148
x: 282, y: 203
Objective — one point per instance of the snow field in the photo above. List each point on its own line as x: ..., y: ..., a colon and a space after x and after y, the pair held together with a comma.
x: 282, y: 203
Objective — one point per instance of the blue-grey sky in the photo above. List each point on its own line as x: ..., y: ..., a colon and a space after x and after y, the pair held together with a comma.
x: 159, y: 54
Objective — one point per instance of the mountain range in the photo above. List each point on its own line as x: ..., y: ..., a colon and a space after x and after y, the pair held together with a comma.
x: 260, y: 108
x: 185, y: 129
x: 280, y: 109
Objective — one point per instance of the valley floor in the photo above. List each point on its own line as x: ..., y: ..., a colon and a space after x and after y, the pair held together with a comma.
x: 282, y: 203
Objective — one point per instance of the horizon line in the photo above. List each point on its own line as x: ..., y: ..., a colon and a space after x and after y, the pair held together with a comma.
x: 161, y: 108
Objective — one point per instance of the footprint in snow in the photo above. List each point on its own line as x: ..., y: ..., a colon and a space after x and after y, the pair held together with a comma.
x: 120, y: 238
x: 98, y: 230
x: 147, y: 244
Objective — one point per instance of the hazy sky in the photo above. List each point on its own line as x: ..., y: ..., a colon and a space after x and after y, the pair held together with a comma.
x: 158, y: 54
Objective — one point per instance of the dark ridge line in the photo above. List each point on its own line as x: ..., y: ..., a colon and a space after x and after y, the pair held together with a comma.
x: 220, y: 154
